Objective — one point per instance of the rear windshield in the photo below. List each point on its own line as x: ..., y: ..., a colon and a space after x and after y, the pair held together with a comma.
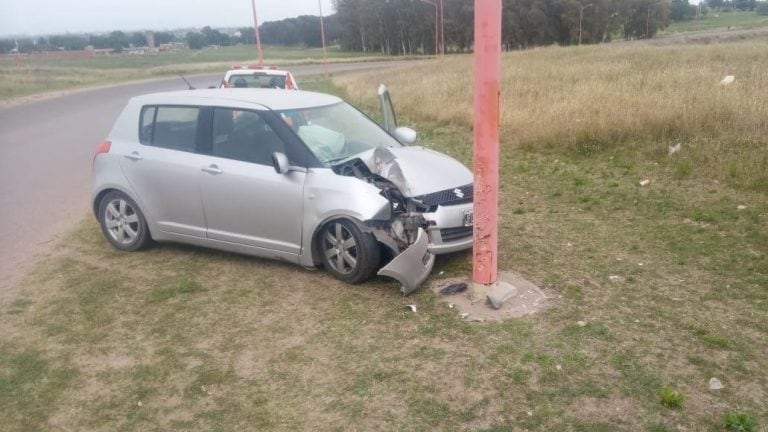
x: 257, y: 80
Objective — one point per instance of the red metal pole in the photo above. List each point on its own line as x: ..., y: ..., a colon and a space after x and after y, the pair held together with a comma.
x: 256, y: 33
x: 486, y: 135
x: 322, y: 36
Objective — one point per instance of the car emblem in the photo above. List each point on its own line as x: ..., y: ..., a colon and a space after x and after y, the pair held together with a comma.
x: 458, y: 193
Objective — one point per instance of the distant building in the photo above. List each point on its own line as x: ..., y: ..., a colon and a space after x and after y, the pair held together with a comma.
x: 150, y: 35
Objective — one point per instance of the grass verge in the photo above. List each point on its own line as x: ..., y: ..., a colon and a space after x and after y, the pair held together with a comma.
x: 667, y: 279
x: 39, y: 74
x: 715, y: 19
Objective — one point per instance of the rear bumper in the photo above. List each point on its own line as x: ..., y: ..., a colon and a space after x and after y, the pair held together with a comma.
x: 447, y: 232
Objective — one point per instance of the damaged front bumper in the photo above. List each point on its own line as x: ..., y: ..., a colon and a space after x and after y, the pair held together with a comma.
x: 413, y: 265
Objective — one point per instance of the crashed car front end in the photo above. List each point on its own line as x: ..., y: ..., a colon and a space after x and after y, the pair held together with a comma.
x: 415, y: 201
x: 373, y: 189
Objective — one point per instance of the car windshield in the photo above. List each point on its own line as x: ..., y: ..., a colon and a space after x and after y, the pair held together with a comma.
x: 257, y: 80
x: 336, y: 132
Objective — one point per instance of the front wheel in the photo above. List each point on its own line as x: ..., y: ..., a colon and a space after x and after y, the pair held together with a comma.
x: 122, y: 222
x: 348, y: 253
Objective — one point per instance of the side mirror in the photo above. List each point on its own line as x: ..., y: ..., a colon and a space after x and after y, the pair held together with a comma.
x: 280, y: 162
x: 405, y: 135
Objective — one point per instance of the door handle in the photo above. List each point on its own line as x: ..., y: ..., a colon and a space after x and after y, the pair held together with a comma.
x: 134, y: 156
x: 212, y: 169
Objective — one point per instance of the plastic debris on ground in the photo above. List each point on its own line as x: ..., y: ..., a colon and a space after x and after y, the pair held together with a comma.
x: 715, y: 384
x: 474, y: 303
x: 453, y: 288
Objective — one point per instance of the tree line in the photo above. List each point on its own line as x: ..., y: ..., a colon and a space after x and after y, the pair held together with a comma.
x: 398, y: 27
x: 407, y: 26
x: 301, y: 30
x: 116, y: 40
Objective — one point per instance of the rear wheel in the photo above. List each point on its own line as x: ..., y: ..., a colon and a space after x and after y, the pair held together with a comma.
x: 348, y: 253
x: 122, y: 222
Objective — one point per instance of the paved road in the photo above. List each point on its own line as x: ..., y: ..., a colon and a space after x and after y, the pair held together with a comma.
x: 46, y: 149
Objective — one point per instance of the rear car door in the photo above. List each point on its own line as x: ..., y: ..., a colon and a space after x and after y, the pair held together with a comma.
x: 245, y: 200
x: 164, y: 169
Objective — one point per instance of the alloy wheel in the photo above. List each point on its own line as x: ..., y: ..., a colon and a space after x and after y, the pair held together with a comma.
x: 121, y: 221
x: 340, y: 248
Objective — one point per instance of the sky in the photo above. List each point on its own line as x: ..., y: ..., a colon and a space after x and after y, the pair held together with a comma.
x: 39, y: 17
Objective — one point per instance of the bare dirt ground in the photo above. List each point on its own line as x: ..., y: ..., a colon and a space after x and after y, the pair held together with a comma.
x: 474, y: 306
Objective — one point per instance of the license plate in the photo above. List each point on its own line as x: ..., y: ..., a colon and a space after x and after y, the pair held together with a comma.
x: 469, y: 217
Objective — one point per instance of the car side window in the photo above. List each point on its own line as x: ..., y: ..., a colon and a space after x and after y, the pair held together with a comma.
x: 171, y: 127
x: 147, y: 124
x: 244, y: 136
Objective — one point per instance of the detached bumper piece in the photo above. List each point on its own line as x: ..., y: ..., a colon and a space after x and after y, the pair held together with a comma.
x: 412, y: 266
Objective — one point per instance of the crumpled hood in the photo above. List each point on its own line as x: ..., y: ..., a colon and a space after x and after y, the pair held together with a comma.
x: 417, y: 170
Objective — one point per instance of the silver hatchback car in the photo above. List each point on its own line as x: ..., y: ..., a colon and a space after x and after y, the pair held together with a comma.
x: 298, y: 176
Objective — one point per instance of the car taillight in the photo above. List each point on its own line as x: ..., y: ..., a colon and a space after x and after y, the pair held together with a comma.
x: 103, y: 147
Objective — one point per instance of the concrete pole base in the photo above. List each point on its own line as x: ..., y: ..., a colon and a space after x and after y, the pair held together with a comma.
x: 496, y: 293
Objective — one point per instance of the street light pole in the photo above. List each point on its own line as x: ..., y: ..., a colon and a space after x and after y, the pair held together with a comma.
x: 698, y: 16
x: 648, y: 23
x: 485, y: 162
x: 322, y: 37
x: 581, y: 16
x: 256, y: 33
x: 437, y: 26
x: 442, y: 29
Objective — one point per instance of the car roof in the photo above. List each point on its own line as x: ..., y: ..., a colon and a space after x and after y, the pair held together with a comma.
x: 258, y: 71
x: 275, y: 99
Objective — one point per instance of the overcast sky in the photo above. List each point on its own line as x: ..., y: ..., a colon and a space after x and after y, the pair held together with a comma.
x: 33, y: 17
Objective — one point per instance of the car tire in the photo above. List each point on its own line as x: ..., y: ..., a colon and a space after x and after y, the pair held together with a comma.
x: 348, y: 253
x: 122, y: 222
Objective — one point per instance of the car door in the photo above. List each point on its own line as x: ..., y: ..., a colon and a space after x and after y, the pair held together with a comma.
x: 388, y: 118
x: 245, y: 200
x: 164, y: 169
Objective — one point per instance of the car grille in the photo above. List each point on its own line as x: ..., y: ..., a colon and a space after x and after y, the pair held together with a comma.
x: 459, y: 195
x: 452, y: 234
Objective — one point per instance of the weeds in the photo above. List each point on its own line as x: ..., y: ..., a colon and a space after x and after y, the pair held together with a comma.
x: 671, y: 398
x: 739, y: 421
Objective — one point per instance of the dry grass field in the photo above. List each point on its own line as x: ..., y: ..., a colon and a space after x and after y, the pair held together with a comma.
x: 653, y: 289
x: 47, y: 74
x: 597, y: 99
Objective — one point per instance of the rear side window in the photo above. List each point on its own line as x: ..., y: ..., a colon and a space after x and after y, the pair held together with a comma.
x: 169, y: 127
x: 147, y: 124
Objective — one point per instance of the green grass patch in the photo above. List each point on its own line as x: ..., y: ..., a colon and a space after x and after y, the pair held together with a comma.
x: 739, y: 421
x: 671, y: 398
x: 718, y: 19
x: 30, y: 383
